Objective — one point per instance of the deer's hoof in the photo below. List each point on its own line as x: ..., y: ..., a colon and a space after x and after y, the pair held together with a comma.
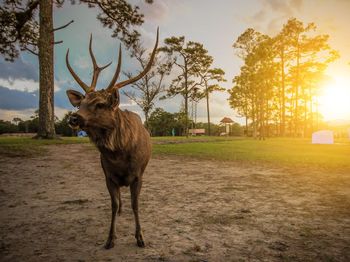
x: 140, y: 242
x: 109, y: 244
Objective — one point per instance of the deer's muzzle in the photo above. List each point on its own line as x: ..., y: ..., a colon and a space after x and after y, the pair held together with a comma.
x: 75, y: 121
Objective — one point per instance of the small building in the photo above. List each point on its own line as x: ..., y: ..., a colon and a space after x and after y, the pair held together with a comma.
x: 323, y: 137
x: 227, y: 122
x: 196, y: 132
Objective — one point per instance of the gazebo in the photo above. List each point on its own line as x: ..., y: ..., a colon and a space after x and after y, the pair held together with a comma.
x: 227, y: 122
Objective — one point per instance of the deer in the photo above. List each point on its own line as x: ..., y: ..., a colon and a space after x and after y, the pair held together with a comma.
x: 122, y: 140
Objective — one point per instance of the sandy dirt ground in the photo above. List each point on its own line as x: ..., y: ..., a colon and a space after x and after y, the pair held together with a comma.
x: 56, y: 208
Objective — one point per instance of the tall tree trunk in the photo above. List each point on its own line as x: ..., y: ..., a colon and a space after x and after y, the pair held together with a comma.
x: 186, y: 99
x: 255, y: 117
x: 296, y: 119
x: 311, y: 113
x: 146, y: 119
x: 208, y: 113
x: 46, y: 64
x: 283, y: 129
x: 305, y: 112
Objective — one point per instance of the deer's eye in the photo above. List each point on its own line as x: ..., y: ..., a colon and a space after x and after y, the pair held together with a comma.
x: 99, y: 105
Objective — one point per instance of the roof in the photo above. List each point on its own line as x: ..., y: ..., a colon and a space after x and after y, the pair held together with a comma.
x: 226, y: 120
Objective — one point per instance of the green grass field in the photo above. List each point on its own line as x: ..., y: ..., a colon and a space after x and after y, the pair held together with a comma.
x: 26, y: 146
x: 277, y: 151
x: 283, y: 151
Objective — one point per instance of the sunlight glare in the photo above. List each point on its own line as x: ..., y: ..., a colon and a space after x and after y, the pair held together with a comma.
x: 334, y: 101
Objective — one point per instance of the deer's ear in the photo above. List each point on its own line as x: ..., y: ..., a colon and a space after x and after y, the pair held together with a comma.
x: 115, y: 98
x: 75, y: 97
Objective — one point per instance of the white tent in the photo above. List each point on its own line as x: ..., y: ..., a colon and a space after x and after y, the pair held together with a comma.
x: 323, y: 137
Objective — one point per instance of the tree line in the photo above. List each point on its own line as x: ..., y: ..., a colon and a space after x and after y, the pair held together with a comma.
x: 17, y: 125
x: 276, y: 90
x: 27, y: 25
x: 160, y: 123
x: 194, y: 77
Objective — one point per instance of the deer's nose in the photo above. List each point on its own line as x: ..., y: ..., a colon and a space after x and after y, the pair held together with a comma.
x: 73, y: 120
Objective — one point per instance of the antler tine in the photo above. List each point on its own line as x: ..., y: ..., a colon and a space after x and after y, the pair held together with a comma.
x: 75, y: 76
x: 145, y: 71
x: 97, y: 69
x: 117, y: 72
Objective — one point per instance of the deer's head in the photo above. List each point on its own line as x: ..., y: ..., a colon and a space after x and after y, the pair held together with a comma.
x: 96, y: 108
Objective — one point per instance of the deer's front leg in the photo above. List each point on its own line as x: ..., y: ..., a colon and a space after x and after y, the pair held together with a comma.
x: 114, y: 192
x: 135, y: 189
x: 120, y: 203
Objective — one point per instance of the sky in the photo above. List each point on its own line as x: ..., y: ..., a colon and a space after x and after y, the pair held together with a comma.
x: 215, y: 24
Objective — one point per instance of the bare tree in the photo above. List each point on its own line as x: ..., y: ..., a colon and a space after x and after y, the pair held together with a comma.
x: 146, y: 91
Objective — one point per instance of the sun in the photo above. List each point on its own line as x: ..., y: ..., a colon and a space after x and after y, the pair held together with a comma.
x: 334, y: 100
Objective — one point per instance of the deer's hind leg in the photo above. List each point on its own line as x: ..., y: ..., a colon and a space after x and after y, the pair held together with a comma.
x: 120, y: 203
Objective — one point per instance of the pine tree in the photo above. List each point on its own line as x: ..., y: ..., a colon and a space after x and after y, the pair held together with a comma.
x: 24, y: 28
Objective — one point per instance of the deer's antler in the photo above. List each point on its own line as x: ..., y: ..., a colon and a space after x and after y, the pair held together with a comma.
x: 97, y: 70
x: 145, y: 71
x: 116, y: 74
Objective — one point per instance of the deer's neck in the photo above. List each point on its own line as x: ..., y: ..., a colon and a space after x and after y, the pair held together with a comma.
x: 117, y: 139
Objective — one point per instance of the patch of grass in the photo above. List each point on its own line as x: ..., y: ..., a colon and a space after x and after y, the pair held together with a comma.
x: 27, y: 147
x: 190, y: 139
x: 285, y: 151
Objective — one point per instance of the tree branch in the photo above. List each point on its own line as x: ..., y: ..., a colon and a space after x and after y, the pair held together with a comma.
x: 64, y: 26
x: 31, y: 51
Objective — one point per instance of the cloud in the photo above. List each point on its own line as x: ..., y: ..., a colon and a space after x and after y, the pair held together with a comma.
x: 273, y: 13
x: 18, y: 69
x: 21, y: 76
x: 11, y: 99
x: 8, y: 115
x: 26, y: 85
x: 155, y: 12
x: 83, y: 62
x: 282, y: 7
x: 60, y: 112
x: 25, y: 114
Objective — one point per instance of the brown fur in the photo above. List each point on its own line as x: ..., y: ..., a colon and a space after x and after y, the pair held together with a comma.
x: 124, y: 145
x: 120, y: 137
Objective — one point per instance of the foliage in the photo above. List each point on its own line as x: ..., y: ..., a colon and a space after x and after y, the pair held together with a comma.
x: 22, y: 27
x: 7, y: 127
x: 190, y: 57
x: 62, y: 126
x: 162, y: 123
x: 279, y: 79
x: 31, y: 125
x: 19, y: 26
x: 208, y: 75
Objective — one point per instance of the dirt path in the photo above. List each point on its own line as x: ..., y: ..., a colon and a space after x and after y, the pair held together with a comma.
x: 56, y: 208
